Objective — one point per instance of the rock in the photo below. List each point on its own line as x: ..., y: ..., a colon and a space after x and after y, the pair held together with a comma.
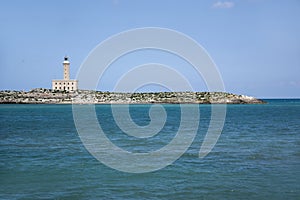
x: 47, y: 96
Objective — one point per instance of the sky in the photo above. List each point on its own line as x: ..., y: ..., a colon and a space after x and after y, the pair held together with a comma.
x: 254, y: 43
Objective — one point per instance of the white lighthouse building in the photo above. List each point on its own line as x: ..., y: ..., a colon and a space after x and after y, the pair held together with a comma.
x: 65, y: 84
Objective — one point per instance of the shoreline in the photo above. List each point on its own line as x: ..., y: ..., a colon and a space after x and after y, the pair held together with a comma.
x: 48, y: 96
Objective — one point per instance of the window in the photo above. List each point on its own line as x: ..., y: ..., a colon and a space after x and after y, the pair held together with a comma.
x: 68, y: 87
x: 55, y: 87
x: 59, y: 87
x: 72, y: 83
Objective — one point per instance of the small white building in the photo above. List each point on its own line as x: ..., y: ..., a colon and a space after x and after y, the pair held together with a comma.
x: 65, y: 84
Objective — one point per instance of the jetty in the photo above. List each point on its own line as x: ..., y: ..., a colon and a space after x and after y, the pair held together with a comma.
x: 49, y: 96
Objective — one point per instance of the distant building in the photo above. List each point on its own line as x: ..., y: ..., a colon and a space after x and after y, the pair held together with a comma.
x: 65, y: 84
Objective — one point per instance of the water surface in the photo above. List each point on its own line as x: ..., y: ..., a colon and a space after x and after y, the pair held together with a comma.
x: 256, y: 157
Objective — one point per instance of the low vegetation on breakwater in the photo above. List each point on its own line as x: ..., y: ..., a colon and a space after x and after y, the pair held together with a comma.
x: 48, y: 96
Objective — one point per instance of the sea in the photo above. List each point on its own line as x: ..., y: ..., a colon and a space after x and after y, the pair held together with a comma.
x: 257, y: 155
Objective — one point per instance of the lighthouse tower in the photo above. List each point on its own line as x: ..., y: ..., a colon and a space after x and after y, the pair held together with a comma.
x: 65, y: 84
x: 66, y: 65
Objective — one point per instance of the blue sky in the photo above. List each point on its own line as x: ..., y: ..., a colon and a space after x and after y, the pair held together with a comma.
x: 254, y: 43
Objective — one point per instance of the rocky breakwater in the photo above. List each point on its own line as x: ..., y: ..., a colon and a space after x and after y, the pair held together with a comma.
x: 47, y: 96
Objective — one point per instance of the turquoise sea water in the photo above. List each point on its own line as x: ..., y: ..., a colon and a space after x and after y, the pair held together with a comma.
x: 256, y: 157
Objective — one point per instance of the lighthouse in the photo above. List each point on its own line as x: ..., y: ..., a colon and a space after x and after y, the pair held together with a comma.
x: 65, y: 84
x: 66, y: 65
